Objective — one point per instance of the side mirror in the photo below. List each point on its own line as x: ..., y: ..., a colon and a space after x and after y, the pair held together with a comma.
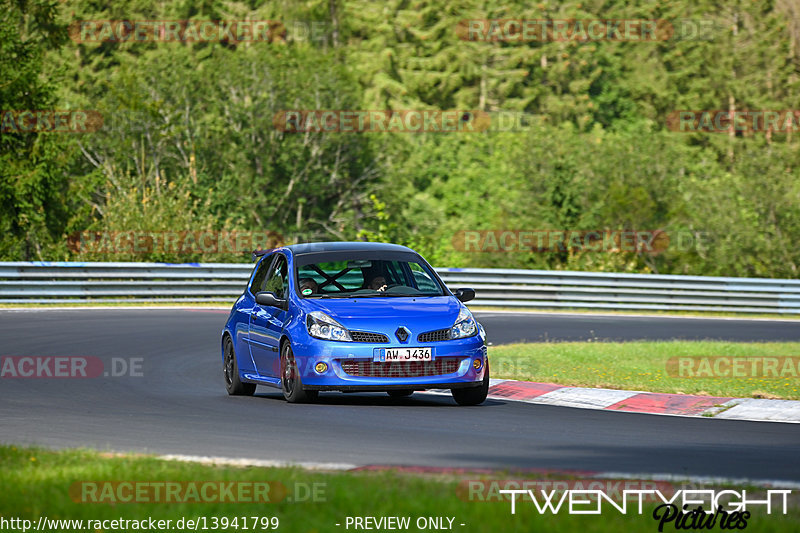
x: 269, y: 299
x: 465, y: 294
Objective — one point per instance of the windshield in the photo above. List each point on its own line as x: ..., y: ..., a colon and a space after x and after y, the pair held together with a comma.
x: 366, y: 278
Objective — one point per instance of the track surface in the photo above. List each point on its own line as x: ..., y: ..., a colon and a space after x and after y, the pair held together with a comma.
x: 179, y: 404
x: 503, y: 328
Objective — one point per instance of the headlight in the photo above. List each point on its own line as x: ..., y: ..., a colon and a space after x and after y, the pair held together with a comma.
x: 465, y: 325
x: 322, y: 326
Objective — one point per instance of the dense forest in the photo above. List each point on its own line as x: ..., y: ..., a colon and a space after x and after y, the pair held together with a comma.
x: 189, y: 137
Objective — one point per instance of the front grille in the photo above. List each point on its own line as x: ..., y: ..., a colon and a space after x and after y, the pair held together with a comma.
x: 435, y: 336
x: 401, y: 369
x: 365, y: 336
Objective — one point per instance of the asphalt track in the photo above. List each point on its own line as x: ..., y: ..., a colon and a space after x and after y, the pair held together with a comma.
x: 179, y: 406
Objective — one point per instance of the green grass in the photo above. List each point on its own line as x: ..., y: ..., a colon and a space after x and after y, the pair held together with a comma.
x: 37, y: 483
x: 641, y: 366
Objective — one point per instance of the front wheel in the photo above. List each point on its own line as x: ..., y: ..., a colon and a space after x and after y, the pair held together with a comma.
x: 230, y: 370
x: 473, y: 395
x: 291, y: 384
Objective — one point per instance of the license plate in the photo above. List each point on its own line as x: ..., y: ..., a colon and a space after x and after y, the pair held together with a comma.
x: 408, y: 354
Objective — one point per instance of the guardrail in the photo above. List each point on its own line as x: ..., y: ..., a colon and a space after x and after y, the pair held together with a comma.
x: 55, y: 282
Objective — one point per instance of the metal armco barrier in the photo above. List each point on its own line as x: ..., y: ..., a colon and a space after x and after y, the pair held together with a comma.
x: 46, y: 282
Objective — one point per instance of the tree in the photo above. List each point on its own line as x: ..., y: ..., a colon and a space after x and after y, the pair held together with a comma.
x: 32, y: 183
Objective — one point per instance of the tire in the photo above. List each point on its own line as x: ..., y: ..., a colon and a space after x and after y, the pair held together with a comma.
x: 230, y: 372
x: 473, y: 395
x: 400, y: 393
x: 291, y: 385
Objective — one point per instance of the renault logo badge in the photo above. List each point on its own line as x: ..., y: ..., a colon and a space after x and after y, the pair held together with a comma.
x: 402, y: 334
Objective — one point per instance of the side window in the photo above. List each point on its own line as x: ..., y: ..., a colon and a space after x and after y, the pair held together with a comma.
x: 423, y: 280
x: 278, y: 279
x: 260, y: 275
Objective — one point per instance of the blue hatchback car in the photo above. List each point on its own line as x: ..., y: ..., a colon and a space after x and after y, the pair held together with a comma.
x: 352, y: 316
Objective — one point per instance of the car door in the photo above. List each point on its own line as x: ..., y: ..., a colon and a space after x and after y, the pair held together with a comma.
x: 266, y: 322
x: 245, y: 306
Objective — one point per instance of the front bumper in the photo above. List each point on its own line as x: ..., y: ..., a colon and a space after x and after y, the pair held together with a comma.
x: 353, y: 366
x: 386, y: 387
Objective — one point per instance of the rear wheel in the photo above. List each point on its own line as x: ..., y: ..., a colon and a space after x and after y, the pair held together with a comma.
x: 473, y: 395
x: 291, y: 384
x: 230, y: 370
x: 400, y: 393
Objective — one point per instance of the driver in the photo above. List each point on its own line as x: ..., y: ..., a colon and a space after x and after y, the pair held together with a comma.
x: 378, y: 283
x: 308, y: 283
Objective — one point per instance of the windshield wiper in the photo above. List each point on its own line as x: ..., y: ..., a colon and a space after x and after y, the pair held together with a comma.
x: 375, y: 295
x: 394, y: 295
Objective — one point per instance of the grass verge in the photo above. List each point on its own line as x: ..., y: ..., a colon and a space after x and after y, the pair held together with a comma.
x: 643, y: 366
x: 38, y: 483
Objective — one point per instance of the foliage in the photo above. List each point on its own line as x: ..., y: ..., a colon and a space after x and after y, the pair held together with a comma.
x: 190, y: 143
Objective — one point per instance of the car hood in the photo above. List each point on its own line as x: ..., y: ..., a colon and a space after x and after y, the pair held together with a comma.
x: 427, y: 313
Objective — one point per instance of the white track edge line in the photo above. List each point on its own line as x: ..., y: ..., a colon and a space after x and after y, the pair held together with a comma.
x: 232, y: 461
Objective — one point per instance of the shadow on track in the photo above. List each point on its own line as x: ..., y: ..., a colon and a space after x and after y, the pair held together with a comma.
x: 374, y: 399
